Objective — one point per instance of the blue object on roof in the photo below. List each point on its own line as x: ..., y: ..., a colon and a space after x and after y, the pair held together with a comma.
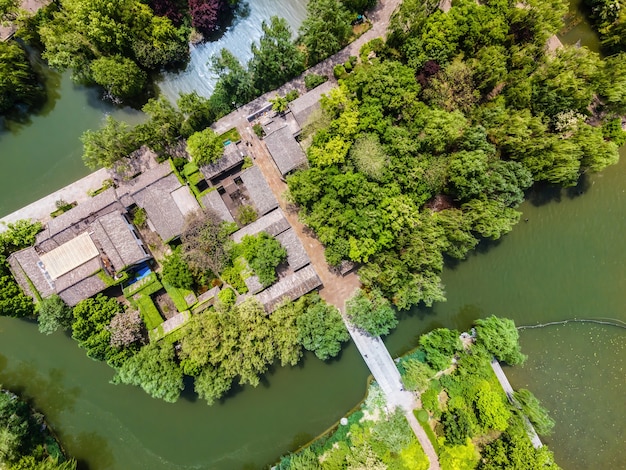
x: 227, y: 142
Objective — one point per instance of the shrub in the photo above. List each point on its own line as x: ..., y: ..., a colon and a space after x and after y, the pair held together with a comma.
x: 140, y: 217
x: 258, y: 130
x: 227, y: 298
x: 339, y: 71
x: 176, y: 271
x: 292, y: 95
x: 246, y: 215
x: 313, y: 80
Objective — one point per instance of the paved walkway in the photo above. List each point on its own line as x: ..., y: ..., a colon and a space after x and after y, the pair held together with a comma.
x: 336, y: 290
x: 508, y: 390
x: 75, y: 192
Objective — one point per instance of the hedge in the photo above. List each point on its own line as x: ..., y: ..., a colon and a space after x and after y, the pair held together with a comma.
x: 149, y: 313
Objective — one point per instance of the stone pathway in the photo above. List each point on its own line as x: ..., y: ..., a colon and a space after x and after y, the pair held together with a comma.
x: 75, y: 192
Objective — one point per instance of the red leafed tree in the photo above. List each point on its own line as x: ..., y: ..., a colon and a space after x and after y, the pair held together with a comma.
x: 205, y: 14
x: 173, y: 9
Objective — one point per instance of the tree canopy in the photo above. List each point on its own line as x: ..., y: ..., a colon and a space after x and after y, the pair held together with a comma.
x: 205, y: 147
x: 431, y: 144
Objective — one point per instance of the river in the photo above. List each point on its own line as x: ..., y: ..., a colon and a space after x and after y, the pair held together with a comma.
x: 566, y: 261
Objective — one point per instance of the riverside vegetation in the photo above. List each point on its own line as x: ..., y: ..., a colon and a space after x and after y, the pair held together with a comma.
x: 427, y: 146
x: 124, y: 45
x: 26, y: 442
x: 464, y: 412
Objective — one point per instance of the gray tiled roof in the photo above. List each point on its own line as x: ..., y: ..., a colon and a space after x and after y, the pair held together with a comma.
x: 116, y: 238
x: 259, y: 191
x: 163, y: 212
x: 285, y: 150
x: 213, y: 200
x: 296, y: 254
x: 273, y: 223
x: 290, y: 287
x: 231, y: 158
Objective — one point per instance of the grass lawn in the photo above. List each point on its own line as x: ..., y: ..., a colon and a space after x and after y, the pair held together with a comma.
x: 232, y: 135
x: 149, y: 313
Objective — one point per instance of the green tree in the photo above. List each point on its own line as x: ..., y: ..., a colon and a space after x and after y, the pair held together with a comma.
x: 163, y: 127
x: 459, y: 457
x: 53, y: 313
x: 176, y: 271
x: 492, y: 409
x: 118, y: 75
x: 13, y: 302
x: 235, y: 85
x: 440, y: 346
x: 373, y: 314
x: 537, y: 414
x: 197, y: 111
x: 109, y: 144
x: 205, y: 147
x: 276, y: 59
x: 417, y: 374
x: 154, y: 369
x: 500, y: 337
x: 369, y: 156
x: 264, y: 253
x: 91, y: 319
x: 204, y: 241
x: 325, y: 30
x: 321, y: 330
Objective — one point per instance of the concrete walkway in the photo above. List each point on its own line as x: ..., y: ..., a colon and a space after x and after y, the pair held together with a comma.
x: 508, y: 390
x: 74, y: 192
x: 384, y: 370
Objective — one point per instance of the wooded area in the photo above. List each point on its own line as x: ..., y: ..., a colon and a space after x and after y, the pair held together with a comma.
x: 434, y: 137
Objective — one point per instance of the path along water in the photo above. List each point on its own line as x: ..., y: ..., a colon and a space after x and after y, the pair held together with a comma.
x: 567, y: 261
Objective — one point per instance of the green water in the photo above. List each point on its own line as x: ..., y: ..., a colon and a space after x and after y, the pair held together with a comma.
x: 566, y: 261
x: 44, y: 155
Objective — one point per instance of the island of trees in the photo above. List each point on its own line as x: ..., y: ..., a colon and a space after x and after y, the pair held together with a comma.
x: 464, y: 412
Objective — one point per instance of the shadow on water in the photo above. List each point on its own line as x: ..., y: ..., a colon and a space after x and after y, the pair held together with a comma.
x: 543, y: 193
x: 90, y: 447
x: 48, y: 392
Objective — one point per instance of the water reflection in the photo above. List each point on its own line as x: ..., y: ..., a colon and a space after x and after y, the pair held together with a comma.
x: 47, y: 391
